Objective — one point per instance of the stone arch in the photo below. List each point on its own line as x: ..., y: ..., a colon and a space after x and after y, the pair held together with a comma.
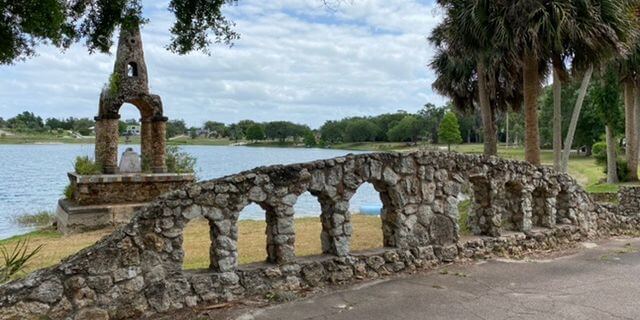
x: 152, y: 136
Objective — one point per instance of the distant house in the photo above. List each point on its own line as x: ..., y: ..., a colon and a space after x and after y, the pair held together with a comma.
x: 132, y: 130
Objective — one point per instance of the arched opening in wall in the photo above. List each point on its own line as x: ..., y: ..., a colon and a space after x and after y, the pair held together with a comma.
x: 132, y: 69
x: 541, y: 216
x: 365, y: 207
x: 564, y: 214
x: 308, y: 225
x: 512, y: 215
x: 252, y: 237
x: 482, y: 216
x: 196, y: 243
x: 129, y: 127
x: 465, y: 210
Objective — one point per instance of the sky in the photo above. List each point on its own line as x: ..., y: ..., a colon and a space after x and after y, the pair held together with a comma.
x: 296, y: 60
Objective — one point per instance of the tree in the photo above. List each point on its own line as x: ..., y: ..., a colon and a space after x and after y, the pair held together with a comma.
x: 3, y: 123
x: 235, y: 132
x: 606, y: 96
x: 216, y: 129
x: 255, y: 133
x: 310, y: 139
x: 361, y: 130
x: 628, y: 71
x: 25, y: 122
x: 27, y: 24
x: 449, y: 132
x: 176, y: 128
x: 431, y: 117
x: 408, y: 129
x: 333, y: 131
x: 244, y: 125
x: 599, y: 30
x: 472, y: 67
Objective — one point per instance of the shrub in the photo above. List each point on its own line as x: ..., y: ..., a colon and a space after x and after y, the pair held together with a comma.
x: 16, y: 259
x: 40, y: 219
x: 178, y: 161
x: 623, y: 172
x: 68, y: 192
x: 599, y: 151
x: 86, y: 166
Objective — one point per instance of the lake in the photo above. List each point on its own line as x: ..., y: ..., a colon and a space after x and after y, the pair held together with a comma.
x: 32, y: 177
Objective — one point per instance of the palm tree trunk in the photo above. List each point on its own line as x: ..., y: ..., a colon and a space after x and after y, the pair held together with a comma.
x: 574, y: 118
x: 490, y: 137
x: 507, y: 131
x: 636, y: 119
x: 631, y: 151
x: 557, y: 120
x: 531, y: 87
x: 612, y: 174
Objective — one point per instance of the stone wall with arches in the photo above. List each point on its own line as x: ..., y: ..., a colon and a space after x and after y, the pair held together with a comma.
x: 137, y: 270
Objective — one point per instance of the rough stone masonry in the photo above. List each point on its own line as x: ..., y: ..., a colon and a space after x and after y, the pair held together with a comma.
x: 137, y: 270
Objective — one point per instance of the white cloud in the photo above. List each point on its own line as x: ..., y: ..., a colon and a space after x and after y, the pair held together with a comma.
x: 295, y: 61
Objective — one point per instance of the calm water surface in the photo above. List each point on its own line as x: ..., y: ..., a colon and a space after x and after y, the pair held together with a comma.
x: 32, y: 177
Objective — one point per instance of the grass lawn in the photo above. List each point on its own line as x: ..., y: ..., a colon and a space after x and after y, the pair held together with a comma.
x: 251, y: 242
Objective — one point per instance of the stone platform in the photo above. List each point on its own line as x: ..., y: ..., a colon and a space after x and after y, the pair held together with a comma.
x: 101, y: 201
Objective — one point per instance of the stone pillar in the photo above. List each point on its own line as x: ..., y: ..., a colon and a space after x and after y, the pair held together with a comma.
x: 527, y: 210
x: 280, y: 235
x: 107, y: 144
x: 146, y: 143
x: 336, y: 228
x: 158, y: 144
x: 223, y: 253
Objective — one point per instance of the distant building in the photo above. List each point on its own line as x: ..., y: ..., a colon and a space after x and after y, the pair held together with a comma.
x: 132, y: 130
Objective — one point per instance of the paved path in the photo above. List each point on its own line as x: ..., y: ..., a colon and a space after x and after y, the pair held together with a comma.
x: 599, y: 281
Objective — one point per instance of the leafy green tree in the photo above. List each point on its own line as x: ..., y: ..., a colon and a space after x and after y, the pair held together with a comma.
x: 449, y: 132
x: 408, y: 129
x: 27, y: 24
x: 332, y: 131
x: 235, y: 132
x: 3, y: 123
x: 176, y: 128
x: 432, y: 116
x: 387, y: 121
x: 470, y: 125
x: 310, y: 139
x: 244, y: 125
x: 282, y: 130
x: 255, y: 133
x: 26, y: 122
x: 361, y: 130
x: 216, y: 129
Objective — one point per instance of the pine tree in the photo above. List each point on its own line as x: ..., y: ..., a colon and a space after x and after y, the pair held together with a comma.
x: 449, y: 131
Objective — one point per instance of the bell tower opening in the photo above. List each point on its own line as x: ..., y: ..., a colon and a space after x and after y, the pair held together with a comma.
x: 132, y: 69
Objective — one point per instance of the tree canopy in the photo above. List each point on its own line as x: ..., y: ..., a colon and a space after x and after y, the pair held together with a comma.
x: 449, y: 132
x: 27, y: 24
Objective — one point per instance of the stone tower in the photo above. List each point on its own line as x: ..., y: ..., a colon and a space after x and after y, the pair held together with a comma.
x: 129, y: 83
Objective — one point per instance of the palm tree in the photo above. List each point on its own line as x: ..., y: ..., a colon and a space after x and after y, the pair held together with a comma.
x: 540, y: 31
x: 470, y: 70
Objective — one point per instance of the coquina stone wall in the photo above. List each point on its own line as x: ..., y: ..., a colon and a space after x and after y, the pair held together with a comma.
x: 137, y: 270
